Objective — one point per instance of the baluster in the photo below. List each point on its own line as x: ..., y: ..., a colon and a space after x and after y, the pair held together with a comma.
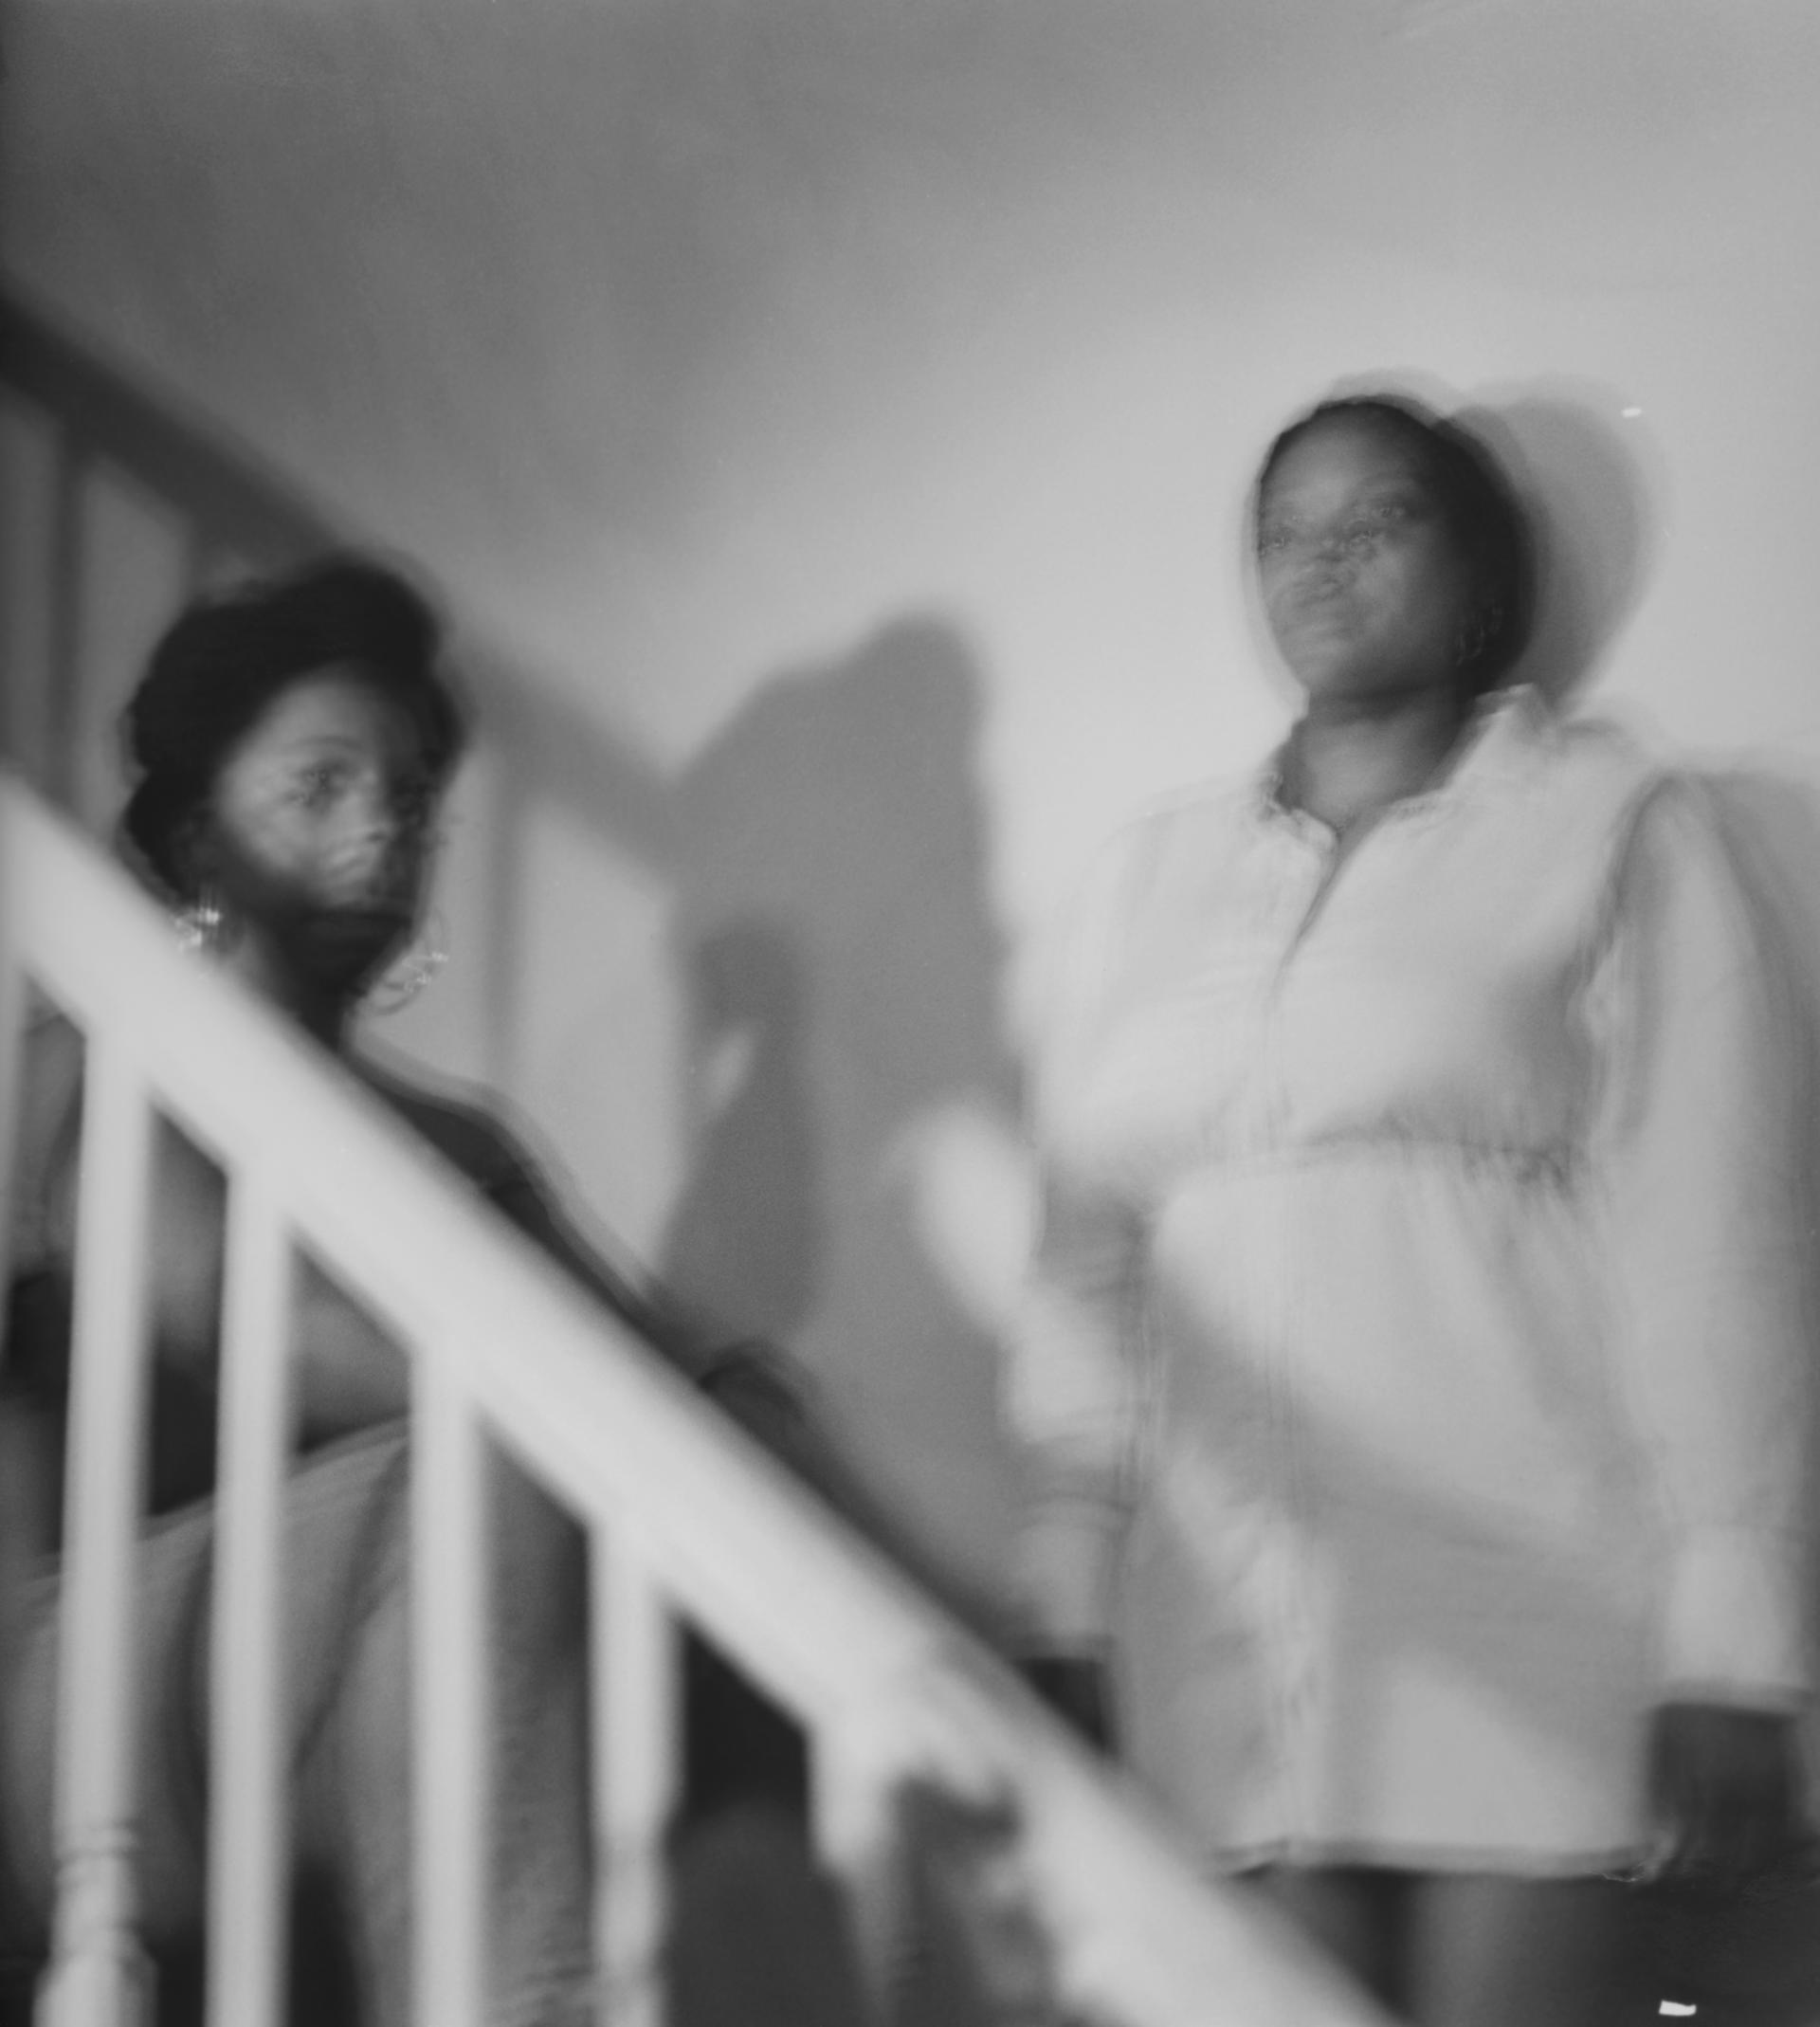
x: 15, y: 1554
x: 13, y: 993
x: 248, y: 1794
x: 99, y: 1977
x: 856, y: 1841
x: 637, y: 1694
x: 449, y: 1673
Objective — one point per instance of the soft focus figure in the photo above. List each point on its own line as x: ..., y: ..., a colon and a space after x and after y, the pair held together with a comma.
x: 1411, y: 1376
x: 290, y: 744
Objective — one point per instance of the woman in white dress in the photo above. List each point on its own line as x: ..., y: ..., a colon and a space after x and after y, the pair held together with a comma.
x: 1412, y: 1370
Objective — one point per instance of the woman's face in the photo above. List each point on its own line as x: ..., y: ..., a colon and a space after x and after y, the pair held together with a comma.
x: 1365, y: 588
x: 318, y: 836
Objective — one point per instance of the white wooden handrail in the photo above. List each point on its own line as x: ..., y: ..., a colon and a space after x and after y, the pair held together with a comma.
x: 687, y: 1520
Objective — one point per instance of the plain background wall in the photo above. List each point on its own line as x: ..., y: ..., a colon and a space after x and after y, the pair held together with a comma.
x: 829, y: 420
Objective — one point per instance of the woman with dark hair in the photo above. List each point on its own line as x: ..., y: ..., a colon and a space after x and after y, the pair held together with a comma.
x: 291, y: 742
x: 1412, y: 1373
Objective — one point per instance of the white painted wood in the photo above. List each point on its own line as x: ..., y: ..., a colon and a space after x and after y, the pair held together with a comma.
x: 249, y: 1806
x: 449, y: 1697
x: 500, y: 1341
x: 637, y: 1749
x: 13, y: 1039
x: 851, y: 1819
x: 97, y: 1977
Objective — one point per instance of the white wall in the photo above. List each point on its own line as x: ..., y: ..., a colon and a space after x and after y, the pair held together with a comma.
x: 830, y: 418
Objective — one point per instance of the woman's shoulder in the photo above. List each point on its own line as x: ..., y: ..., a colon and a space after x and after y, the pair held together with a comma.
x: 1579, y: 777
x: 1194, y: 825
x: 462, y: 1123
x: 1617, y: 803
x: 1210, y: 802
x: 1142, y: 878
x: 1605, y: 754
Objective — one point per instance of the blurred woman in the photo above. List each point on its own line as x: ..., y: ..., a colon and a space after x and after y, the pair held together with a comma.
x: 1412, y: 1374
x: 291, y: 742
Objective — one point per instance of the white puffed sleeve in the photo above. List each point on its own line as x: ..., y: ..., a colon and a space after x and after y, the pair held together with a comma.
x: 1704, y: 1185
x: 1071, y: 1388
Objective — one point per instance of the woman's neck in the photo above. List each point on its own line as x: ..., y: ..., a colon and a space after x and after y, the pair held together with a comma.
x: 1349, y: 759
x: 322, y: 1015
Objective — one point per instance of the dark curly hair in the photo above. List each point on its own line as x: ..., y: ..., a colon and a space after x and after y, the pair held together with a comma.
x: 228, y: 655
x: 1481, y: 509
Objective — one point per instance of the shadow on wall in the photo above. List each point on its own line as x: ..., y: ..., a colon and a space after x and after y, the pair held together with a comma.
x: 850, y: 1099
x: 1594, y: 500
x: 842, y: 962
x: 843, y: 969
x: 827, y: 856
x: 747, y: 1237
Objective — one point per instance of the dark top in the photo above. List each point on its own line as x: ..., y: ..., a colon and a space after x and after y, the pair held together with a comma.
x: 35, y: 1354
x: 738, y: 1743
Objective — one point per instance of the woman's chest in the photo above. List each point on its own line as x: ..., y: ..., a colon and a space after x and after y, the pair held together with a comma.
x: 185, y: 1261
x: 1426, y: 984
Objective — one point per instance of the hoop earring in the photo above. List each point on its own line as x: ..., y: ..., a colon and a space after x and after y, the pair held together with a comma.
x: 413, y: 973
x: 201, y: 926
x: 1476, y: 634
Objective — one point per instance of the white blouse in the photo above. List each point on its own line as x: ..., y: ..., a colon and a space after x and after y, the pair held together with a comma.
x: 1413, y: 1375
